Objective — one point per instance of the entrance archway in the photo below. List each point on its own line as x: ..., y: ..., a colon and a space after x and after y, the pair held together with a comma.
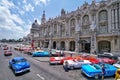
x: 104, y: 46
x: 63, y: 45
x: 54, y: 45
x: 85, y: 46
x: 72, y: 46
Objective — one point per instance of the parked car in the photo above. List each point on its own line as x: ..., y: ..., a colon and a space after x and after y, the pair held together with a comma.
x: 95, y: 70
x: 40, y: 54
x: 107, y: 60
x: 59, y: 60
x: 108, y: 55
x: 16, y: 48
x: 56, y: 60
x: 5, y: 48
x: 19, y: 65
x: 117, y: 64
x: 56, y: 53
x: 74, y: 64
x: 7, y: 52
x: 94, y: 60
x: 117, y: 74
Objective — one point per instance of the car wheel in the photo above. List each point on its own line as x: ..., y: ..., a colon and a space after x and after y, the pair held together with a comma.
x: 10, y: 67
x: 81, y: 71
x: 71, y: 67
x: 96, y: 77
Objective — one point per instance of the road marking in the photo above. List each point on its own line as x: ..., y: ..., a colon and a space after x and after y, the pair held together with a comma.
x: 40, y: 77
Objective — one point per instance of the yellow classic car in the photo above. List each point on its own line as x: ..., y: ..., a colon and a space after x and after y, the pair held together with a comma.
x: 117, y: 75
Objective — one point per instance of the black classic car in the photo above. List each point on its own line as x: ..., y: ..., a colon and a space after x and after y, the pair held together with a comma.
x: 108, y: 55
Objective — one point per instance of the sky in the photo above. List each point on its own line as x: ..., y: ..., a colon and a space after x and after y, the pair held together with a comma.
x: 17, y: 16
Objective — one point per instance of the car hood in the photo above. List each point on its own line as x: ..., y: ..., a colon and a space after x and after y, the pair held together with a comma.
x: 22, y: 64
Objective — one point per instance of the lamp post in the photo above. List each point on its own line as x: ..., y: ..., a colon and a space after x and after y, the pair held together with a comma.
x: 50, y: 45
x: 32, y: 43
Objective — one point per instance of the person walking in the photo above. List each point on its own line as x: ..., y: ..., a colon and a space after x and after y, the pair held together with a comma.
x: 66, y: 66
x: 103, y: 71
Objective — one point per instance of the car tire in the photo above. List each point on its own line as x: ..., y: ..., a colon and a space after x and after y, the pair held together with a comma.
x: 96, y: 77
x: 71, y: 67
x: 10, y: 67
x: 81, y: 71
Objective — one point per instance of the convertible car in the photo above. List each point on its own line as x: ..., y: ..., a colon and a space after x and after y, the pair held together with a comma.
x: 73, y: 64
x: 117, y: 64
x: 56, y: 53
x: 19, y: 65
x: 40, y: 54
x: 59, y: 60
x: 107, y: 60
x: 7, y: 53
x: 95, y: 70
x: 56, y: 60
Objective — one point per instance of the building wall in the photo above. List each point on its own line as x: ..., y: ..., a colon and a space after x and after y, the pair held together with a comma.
x: 89, y: 25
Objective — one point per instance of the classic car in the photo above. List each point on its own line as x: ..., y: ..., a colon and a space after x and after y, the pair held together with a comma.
x: 117, y: 74
x: 5, y: 48
x: 107, y: 60
x: 58, y: 60
x: 56, y: 53
x: 74, y: 64
x: 92, y: 59
x: 40, y: 54
x: 7, y: 52
x: 108, y: 55
x: 117, y: 64
x: 95, y: 70
x: 19, y: 65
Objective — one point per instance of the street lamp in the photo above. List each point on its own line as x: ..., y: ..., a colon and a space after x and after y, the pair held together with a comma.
x: 50, y: 45
x: 32, y: 43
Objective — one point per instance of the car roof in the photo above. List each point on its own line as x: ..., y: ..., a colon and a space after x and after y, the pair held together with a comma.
x: 18, y: 58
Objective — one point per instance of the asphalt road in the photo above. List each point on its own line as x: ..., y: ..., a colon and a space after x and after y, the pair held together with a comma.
x: 40, y: 70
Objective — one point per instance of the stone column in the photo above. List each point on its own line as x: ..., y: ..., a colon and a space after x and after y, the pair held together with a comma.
x: 93, y: 37
x: 93, y: 41
x: 67, y: 45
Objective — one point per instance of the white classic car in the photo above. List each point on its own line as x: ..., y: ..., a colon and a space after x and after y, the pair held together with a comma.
x: 117, y: 64
x: 74, y: 64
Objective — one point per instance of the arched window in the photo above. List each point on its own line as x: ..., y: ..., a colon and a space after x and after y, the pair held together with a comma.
x: 85, y: 19
x: 72, y: 27
x: 85, y: 24
x: 103, y: 21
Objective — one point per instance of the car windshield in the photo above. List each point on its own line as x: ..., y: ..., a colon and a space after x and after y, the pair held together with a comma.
x: 20, y: 60
x: 96, y: 66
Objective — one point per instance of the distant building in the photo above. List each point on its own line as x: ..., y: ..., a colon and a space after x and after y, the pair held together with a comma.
x: 92, y: 27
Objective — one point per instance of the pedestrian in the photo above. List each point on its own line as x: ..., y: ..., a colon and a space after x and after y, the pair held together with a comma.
x: 66, y: 66
x: 103, y: 71
x: 71, y: 54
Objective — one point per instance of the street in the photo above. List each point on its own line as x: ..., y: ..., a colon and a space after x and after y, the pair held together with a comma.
x: 40, y: 70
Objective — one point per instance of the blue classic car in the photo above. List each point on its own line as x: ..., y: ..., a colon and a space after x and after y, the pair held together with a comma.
x: 95, y: 70
x: 19, y: 65
x: 40, y: 54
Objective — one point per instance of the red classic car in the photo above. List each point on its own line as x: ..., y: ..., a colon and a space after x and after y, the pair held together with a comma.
x: 5, y: 48
x: 59, y: 60
x: 7, y: 53
x: 92, y: 59
x: 107, y: 60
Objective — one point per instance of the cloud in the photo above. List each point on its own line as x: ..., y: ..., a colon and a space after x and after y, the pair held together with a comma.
x: 21, y: 12
x: 6, y: 4
x: 10, y: 24
x: 29, y: 7
x: 38, y: 2
x: 24, y: 1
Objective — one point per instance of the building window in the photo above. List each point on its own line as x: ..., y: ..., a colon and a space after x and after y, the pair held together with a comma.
x: 72, y: 27
x: 103, y: 22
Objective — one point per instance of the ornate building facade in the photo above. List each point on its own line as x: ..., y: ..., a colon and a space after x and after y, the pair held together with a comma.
x: 92, y: 27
